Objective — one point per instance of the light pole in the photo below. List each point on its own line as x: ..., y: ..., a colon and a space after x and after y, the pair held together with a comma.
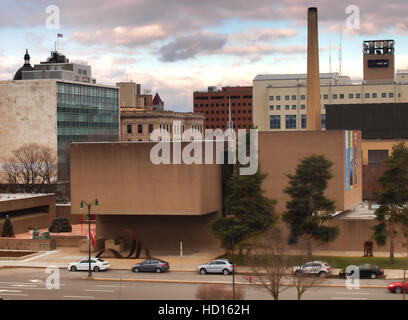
x: 89, y: 205
x: 232, y: 253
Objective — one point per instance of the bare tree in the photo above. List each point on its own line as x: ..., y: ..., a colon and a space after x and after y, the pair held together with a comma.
x: 30, y: 164
x: 303, y: 281
x: 270, y: 265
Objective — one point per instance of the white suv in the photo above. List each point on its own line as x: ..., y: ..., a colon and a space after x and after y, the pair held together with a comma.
x: 315, y: 267
x: 223, y: 266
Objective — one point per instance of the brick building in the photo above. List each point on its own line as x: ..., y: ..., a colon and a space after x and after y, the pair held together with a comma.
x: 214, y: 105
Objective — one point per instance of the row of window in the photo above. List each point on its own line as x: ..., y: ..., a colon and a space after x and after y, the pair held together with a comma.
x: 223, y: 119
x: 232, y: 111
x: 287, y: 107
x: 85, y: 90
x: 78, y: 124
x: 129, y: 128
x: 233, y: 104
x: 290, y: 121
x: 335, y: 96
x: 223, y: 97
x: 88, y: 111
x: 244, y: 126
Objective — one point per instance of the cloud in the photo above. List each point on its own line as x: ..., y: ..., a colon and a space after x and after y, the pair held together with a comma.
x: 122, y: 36
x: 262, y: 35
x: 186, y: 47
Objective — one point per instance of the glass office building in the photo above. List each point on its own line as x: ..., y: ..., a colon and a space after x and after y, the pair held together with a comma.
x: 84, y: 113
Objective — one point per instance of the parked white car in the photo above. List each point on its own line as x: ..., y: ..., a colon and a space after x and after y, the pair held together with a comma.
x: 314, y: 267
x: 97, y: 264
x: 223, y: 266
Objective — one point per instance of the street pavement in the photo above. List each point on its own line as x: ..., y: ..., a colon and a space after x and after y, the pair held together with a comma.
x: 31, y: 284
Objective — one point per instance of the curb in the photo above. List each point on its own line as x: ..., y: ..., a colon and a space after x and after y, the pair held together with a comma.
x: 222, y: 282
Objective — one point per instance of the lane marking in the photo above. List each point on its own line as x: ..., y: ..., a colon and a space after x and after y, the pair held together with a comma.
x: 351, y: 292
x: 99, y: 290
x: 348, y: 298
x: 6, y: 290
x: 100, y: 285
x: 80, y: 297
x: 14, y: 294
x: 25, y: 285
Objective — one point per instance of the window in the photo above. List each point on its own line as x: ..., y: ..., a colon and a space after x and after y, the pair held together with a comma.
x: 367, y: 95
x: 303, y: 107
x: 377, y: 156
x: 357, y: 96
x: 129, y: 128
x: 275, y: 122
x: 293, y: 97
x: 286, y: 97
x: 326, y: 96
x: 334, y: 96
x: 302, y: 97
x: 287, y: 107
x: 277, y: 98
x: 150, y: 128
x: 391, y: 95
x: 290, y: 121
x: 270, y: 107
x: 374, y: 95
x: 294, y: 107
x: 351, y: 96
x: 323, y: 121
x: 341, y: 96
x: 278, y: 107
x: 139, y: 128
x: 383, y: 95
x: 303, y: 120
x: 271, y: 98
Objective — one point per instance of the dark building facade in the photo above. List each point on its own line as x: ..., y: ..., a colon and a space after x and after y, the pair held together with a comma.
x: 376, y: 121
x: 214, y: 104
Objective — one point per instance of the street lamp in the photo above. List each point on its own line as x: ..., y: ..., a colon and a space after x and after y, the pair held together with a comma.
x: 232, y: 217
x: 89, y: 205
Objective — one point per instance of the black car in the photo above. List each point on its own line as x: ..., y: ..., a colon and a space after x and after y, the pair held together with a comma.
x: 151, y: 265
x: 366, y: 271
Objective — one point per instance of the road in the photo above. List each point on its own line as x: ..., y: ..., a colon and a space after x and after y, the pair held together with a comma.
x: 26, y: 283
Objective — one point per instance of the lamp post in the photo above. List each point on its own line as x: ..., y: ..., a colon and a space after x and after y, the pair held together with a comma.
x: 232, y: 253
x: 89, y: 205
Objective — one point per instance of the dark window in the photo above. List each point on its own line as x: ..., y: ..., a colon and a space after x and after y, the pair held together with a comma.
x: 367, y: 95
x: 278, y: 107
x: 325, y: 96
x: 383, y: 95
x: 374, y: 95
x: 303, y: 121
x: 334, y: 96
x: 271, y: 98
x: 277, y: 98
x: 377, y: 156
x: 287, y: 107
x: 129, y: 128
x: 357, y: 96
x: 294, y: 107
x: 150, y: 128
x: 302, y: 97
x: 270, y: 107
x: 139, y: 128
x: 286, y: 97
x: 351, y: 96
x: 303, y: 107
x: 293, y: 97
x: 391, y: 95
x: 323, y: 123
x: 290, y: 121
x: 274, y: 122
x: 341, y: 96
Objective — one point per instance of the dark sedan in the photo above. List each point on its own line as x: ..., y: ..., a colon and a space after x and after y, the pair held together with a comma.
x: 366, y: 271
x: 151, y: 265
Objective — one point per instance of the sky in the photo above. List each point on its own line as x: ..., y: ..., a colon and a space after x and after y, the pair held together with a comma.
x: 176, y: 47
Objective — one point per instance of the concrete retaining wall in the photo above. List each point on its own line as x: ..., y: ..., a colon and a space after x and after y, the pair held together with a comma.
x: 27, y: 244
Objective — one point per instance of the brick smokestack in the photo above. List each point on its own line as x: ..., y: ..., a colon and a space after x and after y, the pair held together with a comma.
x: 313, y: 112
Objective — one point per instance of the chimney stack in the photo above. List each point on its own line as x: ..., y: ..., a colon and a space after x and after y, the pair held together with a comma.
x: 313, y: 112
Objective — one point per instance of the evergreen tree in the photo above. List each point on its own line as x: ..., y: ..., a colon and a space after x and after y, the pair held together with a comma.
x: 309, y: 210
x: 253, y: 212
x: 393, y: 197
x: 8, y: 230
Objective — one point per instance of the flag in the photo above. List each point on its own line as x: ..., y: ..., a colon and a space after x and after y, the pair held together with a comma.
x: 60, y: 35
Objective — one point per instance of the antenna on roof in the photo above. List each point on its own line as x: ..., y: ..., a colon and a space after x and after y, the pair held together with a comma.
x: 340, y: 53
x: 330, y: 67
